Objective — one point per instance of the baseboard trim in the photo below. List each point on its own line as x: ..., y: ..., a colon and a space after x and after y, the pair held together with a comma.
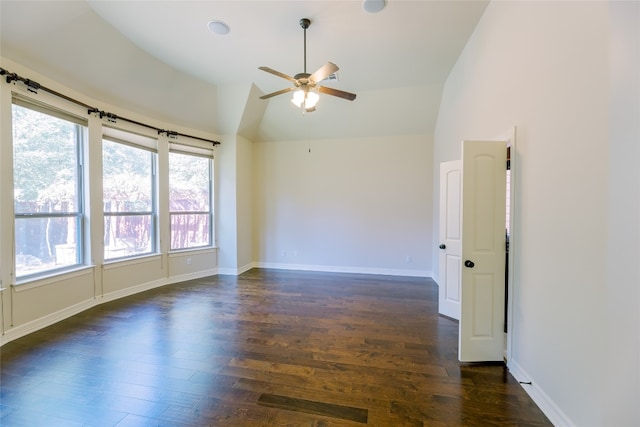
x: 246, y: 267
x: 344, y: 269
x: 192, y: 276
x: 436, y: 279
x: 237, y: 271
x: 122, y: 293
x: 48, y: 320
x: 537, y: 394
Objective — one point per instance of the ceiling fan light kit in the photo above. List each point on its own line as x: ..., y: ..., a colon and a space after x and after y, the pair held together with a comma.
x: 306, y: 86
x: 305, y: 99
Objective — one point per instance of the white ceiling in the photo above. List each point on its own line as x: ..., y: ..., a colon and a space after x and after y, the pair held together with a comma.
x: 158, y: 58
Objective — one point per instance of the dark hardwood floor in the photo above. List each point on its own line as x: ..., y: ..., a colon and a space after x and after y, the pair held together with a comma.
x: 266, y: 348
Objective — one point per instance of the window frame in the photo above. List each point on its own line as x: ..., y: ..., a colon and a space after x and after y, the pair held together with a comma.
x: 81, y: 136
x: 149, y: 145
x: 201, y: 152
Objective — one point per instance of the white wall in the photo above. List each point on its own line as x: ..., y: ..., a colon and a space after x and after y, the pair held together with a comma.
x: 245, y: 203
x: 545, y: 67
x: 239, y: 108
x: 622, y: 377
x: 358, y: 204
x: 235, y: 204
x: 226, y: 205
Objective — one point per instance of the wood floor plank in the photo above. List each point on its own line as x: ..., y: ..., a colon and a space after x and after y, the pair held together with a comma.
x: 358, y: 415
x: 265, y: 348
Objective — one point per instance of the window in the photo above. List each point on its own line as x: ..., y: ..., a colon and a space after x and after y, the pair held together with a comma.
x: 129, y: 197
x: 190, y: 200
x: 47, y: 189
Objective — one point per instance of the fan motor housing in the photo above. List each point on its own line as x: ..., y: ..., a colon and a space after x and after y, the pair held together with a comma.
x: 302, y: 78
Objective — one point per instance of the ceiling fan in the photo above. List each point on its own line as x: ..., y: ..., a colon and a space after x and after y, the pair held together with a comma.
x: 306, y: 86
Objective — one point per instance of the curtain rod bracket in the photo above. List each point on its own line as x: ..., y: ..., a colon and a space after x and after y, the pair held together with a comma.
x: 32, y: 86
x: 11, y: 77
x: 171, y: 134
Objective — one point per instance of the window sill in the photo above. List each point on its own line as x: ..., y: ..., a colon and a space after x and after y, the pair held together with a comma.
x: 192, y: 251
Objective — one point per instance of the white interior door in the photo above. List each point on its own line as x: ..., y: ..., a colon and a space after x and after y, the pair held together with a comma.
x: 481, y: 336
x: 450, y: 265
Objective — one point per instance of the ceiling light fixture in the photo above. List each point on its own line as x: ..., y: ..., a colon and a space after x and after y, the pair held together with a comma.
x: 305, y: 98
x: 218, y: 27
x: 373, y: 6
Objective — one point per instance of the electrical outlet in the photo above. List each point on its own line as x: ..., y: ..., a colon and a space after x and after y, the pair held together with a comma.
x: 408, y: 259
x: 188, y: 261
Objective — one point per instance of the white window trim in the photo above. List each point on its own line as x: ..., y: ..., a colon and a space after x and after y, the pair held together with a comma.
x: 55, y: 108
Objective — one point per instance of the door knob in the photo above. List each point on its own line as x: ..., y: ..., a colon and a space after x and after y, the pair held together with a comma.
x: 442, y: 246
x: 468, y: 263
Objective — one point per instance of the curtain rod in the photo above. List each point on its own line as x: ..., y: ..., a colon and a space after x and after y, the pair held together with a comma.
x: 33, y: 87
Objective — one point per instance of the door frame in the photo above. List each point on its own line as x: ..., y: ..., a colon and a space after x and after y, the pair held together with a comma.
x: 510, y: 138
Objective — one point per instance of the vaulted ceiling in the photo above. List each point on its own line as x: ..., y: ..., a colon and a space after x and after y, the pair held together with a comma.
x: 158, y: 58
